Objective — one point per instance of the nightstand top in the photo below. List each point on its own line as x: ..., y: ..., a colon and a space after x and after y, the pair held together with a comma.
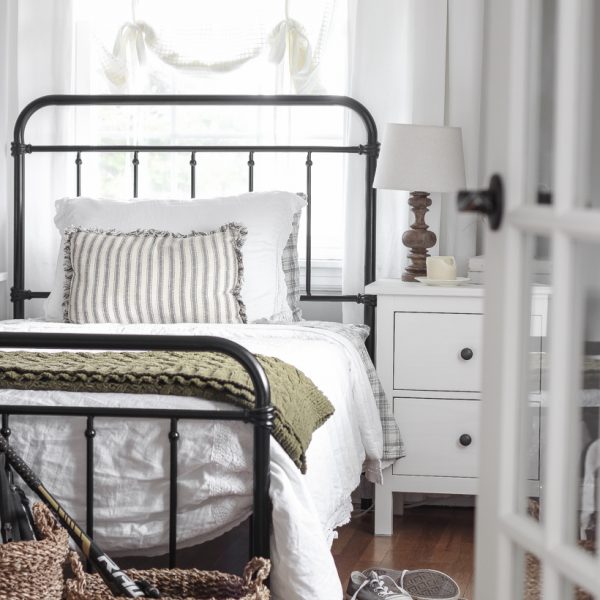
x: 397, y: 287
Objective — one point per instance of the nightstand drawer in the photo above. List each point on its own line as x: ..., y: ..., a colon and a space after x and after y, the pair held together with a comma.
x: 437, y: 351
x: 432, y: 431
x: 441, y: 437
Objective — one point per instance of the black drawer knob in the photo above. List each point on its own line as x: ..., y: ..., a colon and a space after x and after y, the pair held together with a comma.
x: 465, y: 440
x: 466, y: 354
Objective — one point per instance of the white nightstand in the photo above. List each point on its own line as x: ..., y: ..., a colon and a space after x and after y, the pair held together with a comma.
x: 429, y: 342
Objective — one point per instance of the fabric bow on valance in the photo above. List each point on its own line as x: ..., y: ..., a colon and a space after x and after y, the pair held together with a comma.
x: 203, y: 51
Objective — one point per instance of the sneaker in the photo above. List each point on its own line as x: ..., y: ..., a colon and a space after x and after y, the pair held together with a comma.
x: 424, y: 584
x: 371, y: 586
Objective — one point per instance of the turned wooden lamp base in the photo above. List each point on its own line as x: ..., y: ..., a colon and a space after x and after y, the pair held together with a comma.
x: 418, y: 238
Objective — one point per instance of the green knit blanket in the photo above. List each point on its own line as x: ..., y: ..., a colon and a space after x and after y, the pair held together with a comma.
x: 300, y: 407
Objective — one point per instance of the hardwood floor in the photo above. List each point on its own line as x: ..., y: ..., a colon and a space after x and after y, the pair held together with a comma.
x: 425, y: 537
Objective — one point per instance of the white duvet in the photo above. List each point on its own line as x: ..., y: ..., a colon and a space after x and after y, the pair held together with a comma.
x: 215, y: 458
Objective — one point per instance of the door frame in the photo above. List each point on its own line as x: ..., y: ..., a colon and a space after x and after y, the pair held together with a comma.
x: 506, y: 125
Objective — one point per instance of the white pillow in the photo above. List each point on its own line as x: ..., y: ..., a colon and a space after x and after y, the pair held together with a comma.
x: 267, y: 216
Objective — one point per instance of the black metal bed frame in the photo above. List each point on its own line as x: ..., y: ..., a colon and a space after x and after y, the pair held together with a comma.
x: 261, y: 417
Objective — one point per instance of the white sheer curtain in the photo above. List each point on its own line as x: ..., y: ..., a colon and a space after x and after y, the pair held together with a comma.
x: 380, y: 78
x: 7, y: 113
x: 36, y: 43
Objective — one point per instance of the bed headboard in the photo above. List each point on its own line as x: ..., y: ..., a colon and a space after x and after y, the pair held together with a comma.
x: 369, y: 149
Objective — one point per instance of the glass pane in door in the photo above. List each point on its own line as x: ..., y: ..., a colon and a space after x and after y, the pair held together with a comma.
x: 542, y: 81
x: 538, y: 175
x: 586, y: 451
x: 588, y: 194
x: 540, y: 137
x: 536, y: 342
x: 575, y: 592
x: 529, y: 578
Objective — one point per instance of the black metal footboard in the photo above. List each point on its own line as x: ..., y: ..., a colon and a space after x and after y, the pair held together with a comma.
x: 261, y: 417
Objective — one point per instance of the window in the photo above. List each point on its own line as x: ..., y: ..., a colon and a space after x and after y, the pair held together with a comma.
x: 168, y: 174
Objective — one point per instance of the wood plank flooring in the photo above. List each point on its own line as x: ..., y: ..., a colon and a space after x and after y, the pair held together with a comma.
x: 425, y: 537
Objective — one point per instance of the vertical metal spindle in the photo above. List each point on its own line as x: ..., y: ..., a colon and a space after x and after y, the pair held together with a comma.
x: 90, y: 434
x: 261, y: 504
x: 173, y: 439
x: 78, y: 162
x: 370, y: 239
x: 193, y: 164
x: 19, y: 236
x: 135, y: 163
x: 251, y: 172
x: 309, y: 163
x: 5, y: 430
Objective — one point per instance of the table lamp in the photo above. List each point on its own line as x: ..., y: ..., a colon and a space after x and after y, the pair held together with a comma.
x: 415, y: 158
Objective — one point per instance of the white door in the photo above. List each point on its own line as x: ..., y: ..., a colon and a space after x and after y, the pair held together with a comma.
x: 541, y: 389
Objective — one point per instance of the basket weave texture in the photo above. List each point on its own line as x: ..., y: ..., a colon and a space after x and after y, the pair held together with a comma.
x: 533, y: 581
x: 180, y: 584
x: 34, y: 570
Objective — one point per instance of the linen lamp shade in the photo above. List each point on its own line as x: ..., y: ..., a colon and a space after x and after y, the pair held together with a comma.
x: 420, y: 159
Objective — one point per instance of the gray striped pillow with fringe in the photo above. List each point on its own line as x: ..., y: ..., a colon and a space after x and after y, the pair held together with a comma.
x: 149, y: 276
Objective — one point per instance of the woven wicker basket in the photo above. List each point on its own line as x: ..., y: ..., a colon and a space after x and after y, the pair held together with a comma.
x: 180, y: 584
x: 34, y: 570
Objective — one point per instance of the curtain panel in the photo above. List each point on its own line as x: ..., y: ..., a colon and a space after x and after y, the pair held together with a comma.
x: 37, y: 59
x: 8, y: 111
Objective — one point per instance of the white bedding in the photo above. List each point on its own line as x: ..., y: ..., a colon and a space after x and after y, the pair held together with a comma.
x: 131, y: 497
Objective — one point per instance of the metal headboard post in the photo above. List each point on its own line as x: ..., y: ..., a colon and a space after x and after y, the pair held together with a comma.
x: 20, y: 149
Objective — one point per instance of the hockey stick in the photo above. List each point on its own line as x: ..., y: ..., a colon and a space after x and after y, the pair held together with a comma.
x: 116, y: 580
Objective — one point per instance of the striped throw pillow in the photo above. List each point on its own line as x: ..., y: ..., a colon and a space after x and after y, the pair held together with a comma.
x: 149, y: 276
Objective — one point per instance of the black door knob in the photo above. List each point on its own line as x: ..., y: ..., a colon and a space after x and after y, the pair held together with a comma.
x: 465, y: 440
x: 489, y: 202
x: 466, y: 354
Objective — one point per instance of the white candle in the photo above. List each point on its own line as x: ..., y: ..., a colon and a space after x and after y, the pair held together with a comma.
x: 441, y: 267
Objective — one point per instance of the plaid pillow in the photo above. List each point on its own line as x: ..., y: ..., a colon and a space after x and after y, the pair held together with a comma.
x: 291, y: 269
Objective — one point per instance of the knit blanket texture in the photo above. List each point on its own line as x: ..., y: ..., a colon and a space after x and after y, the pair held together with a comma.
x: 300, y: 407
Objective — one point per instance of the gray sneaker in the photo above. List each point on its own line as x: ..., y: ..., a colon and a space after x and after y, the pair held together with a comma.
x: 424, y: 584
x: 371, y: 586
